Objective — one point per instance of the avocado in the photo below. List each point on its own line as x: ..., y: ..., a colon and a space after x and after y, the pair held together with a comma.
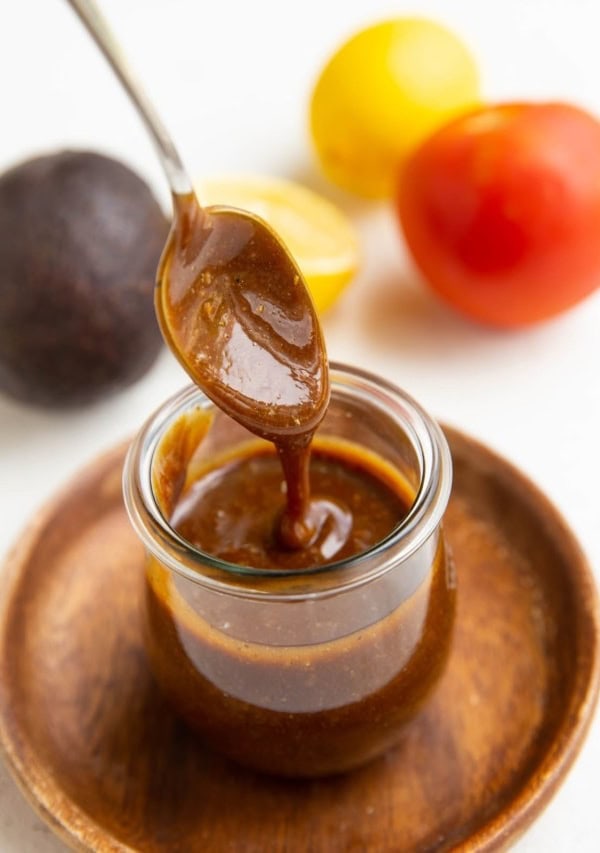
x: 80, y: 240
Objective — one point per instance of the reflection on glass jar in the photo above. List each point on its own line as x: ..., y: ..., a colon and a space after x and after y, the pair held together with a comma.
x: 298, y: 672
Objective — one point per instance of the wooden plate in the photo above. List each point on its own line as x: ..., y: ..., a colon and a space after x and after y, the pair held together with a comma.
x: 104, y: 761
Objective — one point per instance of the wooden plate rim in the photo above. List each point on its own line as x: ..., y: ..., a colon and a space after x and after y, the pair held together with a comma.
x: 80, y: 832
x: 535, y: 795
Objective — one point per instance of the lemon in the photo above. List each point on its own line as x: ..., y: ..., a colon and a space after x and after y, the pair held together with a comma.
x: 320, y: 237
x: 381, y: 94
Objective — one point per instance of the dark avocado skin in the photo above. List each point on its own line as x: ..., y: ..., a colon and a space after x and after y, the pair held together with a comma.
x: 80, y: 240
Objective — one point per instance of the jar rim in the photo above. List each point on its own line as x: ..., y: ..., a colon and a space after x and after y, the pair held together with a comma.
x: 171, y: 549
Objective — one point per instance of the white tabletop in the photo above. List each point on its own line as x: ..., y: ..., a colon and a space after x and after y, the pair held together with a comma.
x: 232, y: 79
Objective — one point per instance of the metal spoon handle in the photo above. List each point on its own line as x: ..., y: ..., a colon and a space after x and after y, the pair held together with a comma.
x: 96, y: 25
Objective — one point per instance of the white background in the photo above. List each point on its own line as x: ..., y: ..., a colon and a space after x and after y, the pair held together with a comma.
x: 232, y: 78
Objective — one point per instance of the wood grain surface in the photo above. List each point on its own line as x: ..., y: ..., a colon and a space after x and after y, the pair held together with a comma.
x: 103, y: 759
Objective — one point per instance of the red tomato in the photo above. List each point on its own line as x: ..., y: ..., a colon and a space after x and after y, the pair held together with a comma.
x: 501, y: 210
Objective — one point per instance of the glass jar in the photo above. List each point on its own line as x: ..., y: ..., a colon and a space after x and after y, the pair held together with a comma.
x: 307, y: 672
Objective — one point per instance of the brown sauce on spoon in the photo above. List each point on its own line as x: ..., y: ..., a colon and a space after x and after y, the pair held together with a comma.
x: 235, y: 310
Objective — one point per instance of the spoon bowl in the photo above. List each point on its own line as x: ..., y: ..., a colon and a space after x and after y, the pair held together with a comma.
x: 234, y: 307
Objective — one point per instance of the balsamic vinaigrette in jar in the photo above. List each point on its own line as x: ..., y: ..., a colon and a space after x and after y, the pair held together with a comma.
x: 253, y: 684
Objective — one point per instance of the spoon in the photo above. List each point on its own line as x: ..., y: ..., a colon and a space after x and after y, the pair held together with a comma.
x: 231, y: 301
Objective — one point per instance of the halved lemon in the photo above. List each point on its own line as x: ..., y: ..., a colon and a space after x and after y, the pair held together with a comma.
x: 320, y: 237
